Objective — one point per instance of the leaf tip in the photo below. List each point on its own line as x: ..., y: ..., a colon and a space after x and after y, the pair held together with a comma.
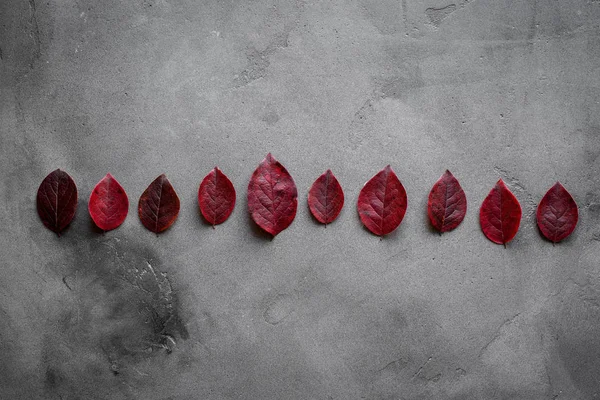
x: 559, y: 185
x: 501, y: 185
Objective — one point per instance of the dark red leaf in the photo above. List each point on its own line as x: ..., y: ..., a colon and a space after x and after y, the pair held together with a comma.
x: 57, y: 200
x: 326, y: 198
x: 382, y: 202
x: 216, y: 197
x: 272, y: 196
x: 447, y: 204
x: 159, y: 205
x: 557, y: 213
x: 500, y: 214
x: 108, y: 204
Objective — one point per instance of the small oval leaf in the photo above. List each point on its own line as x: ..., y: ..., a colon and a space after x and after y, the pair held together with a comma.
x: 57, y: 200
x: 447, y: 203
x: 500, y: 214
x: 216, y: 197
x: 108, y: 205
x: 557, y: 214
x: 272, y: 196
x: 158, y: 207
x: 382, y: 202
x: 326, y: 198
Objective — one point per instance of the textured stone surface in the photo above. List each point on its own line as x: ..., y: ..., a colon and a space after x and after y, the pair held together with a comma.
x: 485, y: 88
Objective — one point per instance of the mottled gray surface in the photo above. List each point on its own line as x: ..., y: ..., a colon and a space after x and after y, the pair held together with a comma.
x: 486, y: 88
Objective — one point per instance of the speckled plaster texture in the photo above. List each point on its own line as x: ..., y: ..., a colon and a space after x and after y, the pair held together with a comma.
x: 486, y: 88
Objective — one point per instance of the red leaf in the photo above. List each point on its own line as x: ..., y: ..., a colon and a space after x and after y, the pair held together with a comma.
x: 326, y: 198
x: 272, y: 196
x: 557, y: 214
x: 382, y: 202
x: 158, y: 207
x: 57, y: 200
x: 216, y: 197
x: 108, y: 204
x: 447, y: 204
x: 500, y: 214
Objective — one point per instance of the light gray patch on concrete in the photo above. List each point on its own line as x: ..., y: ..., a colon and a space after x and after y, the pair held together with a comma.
x: 437, y: 15
x: 258, y: 61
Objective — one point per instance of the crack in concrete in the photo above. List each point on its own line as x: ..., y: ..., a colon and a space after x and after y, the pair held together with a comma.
x: 35, y: 32
x: 398, y: 362
x: 416, y: 374
x: 497, y: 334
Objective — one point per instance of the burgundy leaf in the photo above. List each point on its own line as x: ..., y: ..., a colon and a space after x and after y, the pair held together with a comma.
x: 500, y: 214
x: 326, y: 198
x: 382, y: 202
x: 447, y: 204
x: 216, y: 197
x: 108, y: 205
x: 159, y: 205
x: 57, y: 200
x: 272, y: 196
x: 557, y: 213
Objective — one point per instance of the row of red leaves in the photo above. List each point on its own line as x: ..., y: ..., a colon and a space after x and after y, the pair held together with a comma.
x: 272, y: 202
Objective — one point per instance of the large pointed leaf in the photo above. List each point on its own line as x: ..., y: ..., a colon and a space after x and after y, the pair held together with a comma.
x: 382, y: 202
x: 447, y: 204
x: 272, y: 196
x: 158, y: 207
x: 216, y: 197
x: 108, y: 205
x: 557, y: 213
x: 500, y: 214
x: 326, y: 198
x: 57, y: 200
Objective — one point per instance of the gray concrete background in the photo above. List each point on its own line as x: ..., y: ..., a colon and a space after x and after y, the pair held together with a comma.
x: 486, y: 88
